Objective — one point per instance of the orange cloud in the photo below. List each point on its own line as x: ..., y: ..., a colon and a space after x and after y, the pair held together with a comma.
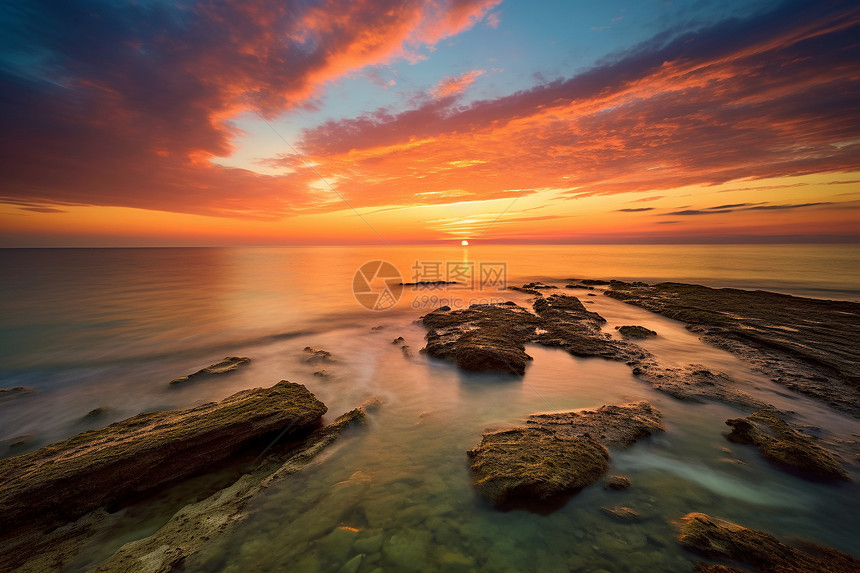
x: 454, y: 85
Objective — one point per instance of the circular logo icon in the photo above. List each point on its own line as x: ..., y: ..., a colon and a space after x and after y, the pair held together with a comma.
x: 377, y: 285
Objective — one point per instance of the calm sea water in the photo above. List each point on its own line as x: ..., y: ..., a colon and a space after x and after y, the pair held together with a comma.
x: 89, y: 328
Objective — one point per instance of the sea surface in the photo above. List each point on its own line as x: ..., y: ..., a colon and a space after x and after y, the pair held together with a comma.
x: 109, y: 328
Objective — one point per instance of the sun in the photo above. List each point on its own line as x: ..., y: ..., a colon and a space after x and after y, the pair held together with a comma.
x: 464, y: 242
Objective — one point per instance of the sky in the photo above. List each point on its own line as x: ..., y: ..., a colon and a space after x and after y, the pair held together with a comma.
x: 301, y: 122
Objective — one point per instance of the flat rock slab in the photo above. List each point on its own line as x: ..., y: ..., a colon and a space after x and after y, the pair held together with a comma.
x: 808, y: 345
x: 784, y: 445
x: 229, y: 364
x: 557, y: 453
x: 62, y: 481
x: 723, y: 540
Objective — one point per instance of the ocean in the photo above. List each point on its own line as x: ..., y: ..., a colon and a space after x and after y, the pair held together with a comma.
x: 109, y: 328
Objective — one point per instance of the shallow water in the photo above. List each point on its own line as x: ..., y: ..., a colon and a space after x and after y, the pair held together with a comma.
x: 110, y: 328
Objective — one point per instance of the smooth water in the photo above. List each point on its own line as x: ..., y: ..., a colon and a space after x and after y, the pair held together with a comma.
x: 109, y: 328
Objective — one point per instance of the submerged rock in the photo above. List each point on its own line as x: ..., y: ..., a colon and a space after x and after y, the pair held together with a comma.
x: 96, y: 414
x: 317, y: 355
x: 229, y: 364
x: 719, y: 539
x: 784, y: 445
x: 557, y: 453
x: 696, y: 384
x: 634, y: 331
x: 12, y: 393
x: 616, y: 483
x: 621, y: 513
x: 808, y: 345
x: 62, y: 481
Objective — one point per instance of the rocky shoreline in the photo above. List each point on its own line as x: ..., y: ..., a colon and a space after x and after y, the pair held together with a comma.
x: 57, y: 499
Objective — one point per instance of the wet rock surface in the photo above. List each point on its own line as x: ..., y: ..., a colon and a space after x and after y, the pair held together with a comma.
x: 696, y: 383
x: 616, y: 483
x: 726, y: 541
x: 481, y: 338
x: 229, y: 364
x: 557, y: 453
x: 807, y: 345
x: 785, y: 445
x: 62, y: 481
x: 492, y: 338
x: 634, y: 331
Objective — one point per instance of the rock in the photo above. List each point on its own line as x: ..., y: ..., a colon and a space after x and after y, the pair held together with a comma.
x: 406, y: 351
x: 718, y: 539
x: 482, y: 338
x: 369, y: 545
x: 808, y: 345
x: 583, y: 287
x: 784, y: 445
x: 317, y: 355
x: 594, y: 282
x: 635, y: 331
x: 398, y: 340
x: 697, y: 384
x: 616, y: 483
x: 191, y: 527
x: 491, y: 338
x: 556, y: 453
x: 538, y: 285
x: 408, y: 549
x: 7, y: 394
x: 429, y: 283
x: 229, y: 364
x: 322, y: 374
x: 380, y: 327
x: 96, y: 414
x: 62, y: 481
x: 621, y: 513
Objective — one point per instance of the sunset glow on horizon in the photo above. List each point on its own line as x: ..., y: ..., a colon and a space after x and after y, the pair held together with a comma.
x: 281, y: 123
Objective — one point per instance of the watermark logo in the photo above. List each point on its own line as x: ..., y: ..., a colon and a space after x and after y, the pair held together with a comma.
x: 377, y: 285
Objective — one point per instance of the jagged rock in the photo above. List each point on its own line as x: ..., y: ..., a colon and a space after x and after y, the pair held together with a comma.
x: 784, y: 445
x: 62, y: 481
x: 398, y: 340
x: 634, y: 331
x: 719, y: 539
x: 229, y: 364
x: 556, y: 453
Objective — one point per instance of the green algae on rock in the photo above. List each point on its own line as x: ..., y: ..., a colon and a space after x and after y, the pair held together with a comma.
x: 557, y: 453
x: 784, y: 445
x: 62, y: 481
x: 723, y: 540
x: 229, y: 364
